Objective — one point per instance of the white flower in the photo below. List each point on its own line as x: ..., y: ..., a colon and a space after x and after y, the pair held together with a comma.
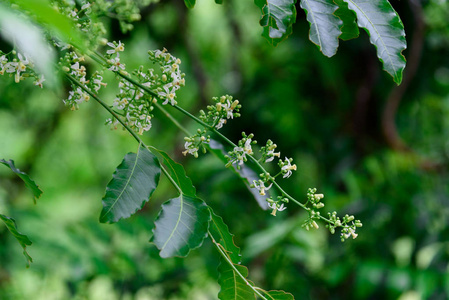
x: 220, y: 124
x: 287, y: 169
x: 116, y: 65
x: 275, y: 207
x: 39, y: 81
x: 260, y: 185
x: 271, y: 154
x: 120, y: 47
x: 85, y: 6
x: 350, y: 233
x: 169, y: 95
x: 190, y: 149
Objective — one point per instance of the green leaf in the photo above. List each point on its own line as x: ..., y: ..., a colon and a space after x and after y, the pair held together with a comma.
x: 278, y: 295
x: 245, y: 173
x: 232, y: 285
x: 29, y: 183
x: 386, y: 33
x: 132, y: 185
x: 220, y: 232
x: 23, y: 240
x: 278, y: 17
x: 349, y: 30
x: 178, y: 173
x: 181, y: 226
x: 324, y: 25
x: 58, y: 24
x: 190, y: 3
x: 30, y: 40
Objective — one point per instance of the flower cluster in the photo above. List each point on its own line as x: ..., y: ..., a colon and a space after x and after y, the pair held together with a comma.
x: 20, y: 66
x: 72, y: 65
x: 348, y: 224
x: 277, y: 205
x: 225, y: 108
x: 114, y: 62
x: 134, y: 105
x: 172, y: 79
x: 238, y: 154
x: 314, y: 214
x: 268, y: 153
x: 196, y: 142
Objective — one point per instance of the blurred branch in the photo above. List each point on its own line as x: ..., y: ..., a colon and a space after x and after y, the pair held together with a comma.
x: 389, y: 128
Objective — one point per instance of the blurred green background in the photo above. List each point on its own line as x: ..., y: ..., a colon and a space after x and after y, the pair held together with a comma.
x: 330, y: 115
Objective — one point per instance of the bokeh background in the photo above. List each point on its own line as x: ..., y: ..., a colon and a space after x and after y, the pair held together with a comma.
x: 375, y: 150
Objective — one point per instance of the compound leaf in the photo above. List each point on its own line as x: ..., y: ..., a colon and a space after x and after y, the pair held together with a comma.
x: 386, y: 33
x: 349, y: 30
x: 132, y: 185
x: 181, y: 226
x: 232, y: 285
x: 23, y: 240
x: 324, y: 25
x: 278, y: 17
x: 29, y: 183
x: 220, y: 232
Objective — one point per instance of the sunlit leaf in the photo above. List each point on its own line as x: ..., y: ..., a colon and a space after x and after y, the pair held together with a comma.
x: 324, y: 25
x: 245, y: 173
x: 29, y: 183
x: 58, y: 24
x: 132, y: 185
x: 178, y: 173
x: 232, y: 285
x: 349, y: 30
x: 190, y: 3
x: 181, y: 226
x: 278, y: 17
x: 220, y: 232
x: 30, y: 41
x: 23, y: 240
x: 386, y: 33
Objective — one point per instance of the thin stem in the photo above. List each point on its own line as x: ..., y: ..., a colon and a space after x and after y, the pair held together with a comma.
x: 138, y: 139
x: 223, y: 254
x: 171, y: 118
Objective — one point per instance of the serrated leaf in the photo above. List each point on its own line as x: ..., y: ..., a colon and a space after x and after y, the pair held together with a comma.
x: 220, y: 232
x: 232, y: 286
x: 132, y: 185
x: 349, y: 30
x: 181, y: 226
x: 386, y: 33
x: 245, y: 173
x: 278, y: 17
x: 29, y: 183
x: 190, y: 3
x: 324, y: 25
x: 178, y: 174
x: 278, y: 295
x: 23, y: 240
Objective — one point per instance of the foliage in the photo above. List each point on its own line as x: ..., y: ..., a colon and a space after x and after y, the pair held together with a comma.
x: 278, y: 256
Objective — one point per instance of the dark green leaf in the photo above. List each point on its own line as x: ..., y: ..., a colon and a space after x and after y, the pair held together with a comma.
x: 220, y: 232
x: 178, y: 174
x: 324, y: 25
x: 190, y: 3
x: 278, y: 17
x: 245, y: 173
x: 386, y: 32
x: 232, y: 285
x: 278, y: 295
x: 56, y: 23
x: 23, y: 240
x: 29, y: 183
x: 181, y: 226
x: 132, y: 185
x: 349, y: 30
